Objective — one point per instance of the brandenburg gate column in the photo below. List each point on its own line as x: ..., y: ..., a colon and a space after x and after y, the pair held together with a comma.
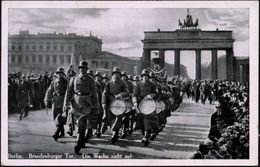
x: 214, y: 70
x: 230, y: 63
x: 177, y: 62
x: 198, y: 64
x: 146, y: 58
x: 161, y: 57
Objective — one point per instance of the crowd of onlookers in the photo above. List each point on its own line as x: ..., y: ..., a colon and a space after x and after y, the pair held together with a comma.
x: 36, y: 85
x: 228, y: 136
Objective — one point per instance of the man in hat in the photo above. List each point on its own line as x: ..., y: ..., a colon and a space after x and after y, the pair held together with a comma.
x: 146, y: 90
x: 55, y: 94
x: 128, y: 116
x: 82, y: 97
x: 90, y: 72
x: 94, y: 117
x: 70, y: 72
x: 100, y: 86
x: 105, y: 78
x: 114, y: 89
x: 24, y: 96
x: 136, y: 80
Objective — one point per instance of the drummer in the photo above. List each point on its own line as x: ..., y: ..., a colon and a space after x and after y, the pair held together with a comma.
x: 146, y: 90
x: 116, y: 88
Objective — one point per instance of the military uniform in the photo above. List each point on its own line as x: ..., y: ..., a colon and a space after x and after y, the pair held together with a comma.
x: 112, y: 89
x: 82, y: 97
x: 147, y: 122
x: 56, y: 93
x: 100, y: 87
x: 70, y: 117
x: 128, y: 116
x: 24, y: 97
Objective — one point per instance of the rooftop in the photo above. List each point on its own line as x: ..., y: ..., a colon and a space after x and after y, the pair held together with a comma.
x: 54, y: 35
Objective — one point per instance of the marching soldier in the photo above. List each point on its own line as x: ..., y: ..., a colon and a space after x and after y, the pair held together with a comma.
x: 93, y: 119
x: 128, y: 115
x: 136, y: 80
x: 82, y: 96
x: 24, y: 97
x: 105, y: 78
x: 146, y: 89
x: 70, y: 117
x: 101, y: 86
x: 56, y: 93
x: 115, y: 89
x: 70, y: 72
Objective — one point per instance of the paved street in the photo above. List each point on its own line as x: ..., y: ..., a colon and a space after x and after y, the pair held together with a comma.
x: 185, y: 129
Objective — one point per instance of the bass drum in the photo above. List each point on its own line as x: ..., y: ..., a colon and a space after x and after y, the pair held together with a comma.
x: 160, y: 106
x: 118, y: 107
x: 147, y: 106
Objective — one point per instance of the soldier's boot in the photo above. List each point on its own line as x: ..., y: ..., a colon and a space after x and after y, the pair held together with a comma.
x: 154, y: 134
x: 56, y: 133
x: 114, y: 137
x: 70, y: 131
x: 26, y: 113
x: 98, y: 132
x: 142, y: 132
x: 104, y: 129
x: 131, y: 128
x: 145, y: 139
x: 80, y: 142
x: 90, y: 133
x: 62, y: 134
x: 124, y: 133
x: 21, y: 116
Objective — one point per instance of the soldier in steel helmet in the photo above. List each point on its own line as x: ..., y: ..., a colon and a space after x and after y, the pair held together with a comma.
x: 70, y: 72
x: 128, y: 115
x: 82, y: 97
x: 55, y: 94
x: 24, y: 96
x: 93, y: 120
x: 146, y: 90
x: 114, y: 89
x: 100, y: 86
x: 105, y: 78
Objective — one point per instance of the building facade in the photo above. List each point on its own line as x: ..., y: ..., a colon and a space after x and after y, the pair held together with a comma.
x: 30, y: 53
x: 44, y: 52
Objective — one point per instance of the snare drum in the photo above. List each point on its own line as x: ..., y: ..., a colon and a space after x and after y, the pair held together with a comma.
x: 160, y: 106
x: 118, y: 107
x: 147, y: 106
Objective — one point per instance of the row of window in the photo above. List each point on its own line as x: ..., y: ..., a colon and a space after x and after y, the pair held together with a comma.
x: 55, y: 60
x: 40, y: 47
x: 103, y: 64
x: 39, y: 59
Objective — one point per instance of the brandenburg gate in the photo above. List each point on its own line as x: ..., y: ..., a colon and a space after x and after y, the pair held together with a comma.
x: 188, y: 37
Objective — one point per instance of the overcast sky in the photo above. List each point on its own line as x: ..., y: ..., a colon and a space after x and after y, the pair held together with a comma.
x: 122, y: 29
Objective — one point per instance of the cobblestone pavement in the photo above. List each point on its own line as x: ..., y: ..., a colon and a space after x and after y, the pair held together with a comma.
x: 185, y: 129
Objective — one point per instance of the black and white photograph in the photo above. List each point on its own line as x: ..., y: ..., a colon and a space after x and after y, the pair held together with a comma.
x: 129, y: 83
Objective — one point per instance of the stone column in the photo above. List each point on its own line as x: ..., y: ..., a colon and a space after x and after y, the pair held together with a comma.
x: 214, y: 68
x: 146, y: 58
x: 198, y: 64
x: 177, y: 62
x: 230, y: 64
x: 162, y: 58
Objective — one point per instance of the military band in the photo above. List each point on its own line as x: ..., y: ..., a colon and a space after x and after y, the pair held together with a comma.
x: 92, y: 103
